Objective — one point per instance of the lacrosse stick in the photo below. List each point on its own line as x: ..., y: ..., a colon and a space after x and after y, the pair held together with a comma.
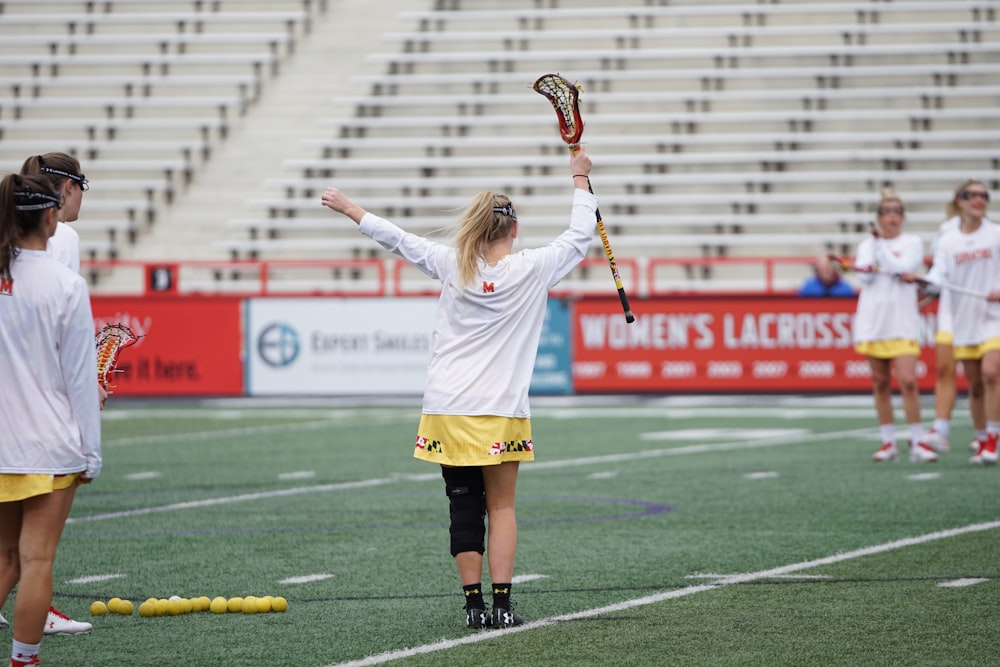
x: 111, y: 340
x: 565, y: 99
x: 844, y: 265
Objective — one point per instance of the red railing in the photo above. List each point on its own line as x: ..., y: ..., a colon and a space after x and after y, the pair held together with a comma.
x: 642, y: 277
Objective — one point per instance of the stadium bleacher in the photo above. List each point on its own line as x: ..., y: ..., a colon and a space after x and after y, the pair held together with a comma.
x: 718, y: 127
x: 786, y: 117
x: 143, y: 93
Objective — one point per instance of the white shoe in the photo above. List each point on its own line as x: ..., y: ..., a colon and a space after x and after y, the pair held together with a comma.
x: 886, y: 452
x: 975, y: 445
x: 59, y: 623
x: 921, y: 452
x: 987, y: 454
x: 3, y: 622
x: 935, y: 441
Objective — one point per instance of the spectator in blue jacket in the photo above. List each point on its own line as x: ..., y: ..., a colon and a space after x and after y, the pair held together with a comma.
x: 826, y: 281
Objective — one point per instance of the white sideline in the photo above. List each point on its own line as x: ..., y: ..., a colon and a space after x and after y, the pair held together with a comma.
x: 389, y: 656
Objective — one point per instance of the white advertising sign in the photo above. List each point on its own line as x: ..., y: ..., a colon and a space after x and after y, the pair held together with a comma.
x: 338, y: 346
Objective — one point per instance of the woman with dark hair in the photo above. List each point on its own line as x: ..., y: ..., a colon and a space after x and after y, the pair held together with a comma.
x: 50, y: 442
x: 476, y: 421
x: 63, y: 172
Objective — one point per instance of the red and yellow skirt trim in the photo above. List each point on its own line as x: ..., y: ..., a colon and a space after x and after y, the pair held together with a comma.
x: 479, y: 440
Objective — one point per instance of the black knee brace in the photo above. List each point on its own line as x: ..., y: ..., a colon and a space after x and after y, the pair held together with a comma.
x: 467, y: 499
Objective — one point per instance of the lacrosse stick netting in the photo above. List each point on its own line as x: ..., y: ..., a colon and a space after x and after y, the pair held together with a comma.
x: 111, y: 340
x: 565, y: 99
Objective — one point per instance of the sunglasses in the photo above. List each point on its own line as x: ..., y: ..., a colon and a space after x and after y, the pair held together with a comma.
x: 966, y: 195
x: 886, y: 210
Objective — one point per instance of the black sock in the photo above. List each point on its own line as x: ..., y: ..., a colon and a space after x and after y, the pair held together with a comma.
x: 474, y: 596
x: 501, y: 596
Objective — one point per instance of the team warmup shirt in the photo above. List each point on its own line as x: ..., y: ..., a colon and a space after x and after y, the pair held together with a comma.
x: 971, y: 261
x: 64, y: 245
x: 50, y: 411
x: 887, y: 307
x: 944, y: 298
x: 949, y: 226
x: 486, y: 333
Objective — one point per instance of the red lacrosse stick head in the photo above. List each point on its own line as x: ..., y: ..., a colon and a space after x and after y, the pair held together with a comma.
x: 111, y: 340
x: 565, y: 99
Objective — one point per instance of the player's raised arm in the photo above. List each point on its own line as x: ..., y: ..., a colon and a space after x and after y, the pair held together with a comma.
x: 337, y: 201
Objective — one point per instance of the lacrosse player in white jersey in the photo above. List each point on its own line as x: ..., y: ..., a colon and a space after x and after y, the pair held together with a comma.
x: 969, y: 260
x: 945, y: 390
x: 475, y: 421
x: 887, y: 324
x: 63, y: 172
x: 50, y: 442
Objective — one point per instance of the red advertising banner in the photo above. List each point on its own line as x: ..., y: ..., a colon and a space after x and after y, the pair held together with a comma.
x: 718, y: 344
x: 189, y: 346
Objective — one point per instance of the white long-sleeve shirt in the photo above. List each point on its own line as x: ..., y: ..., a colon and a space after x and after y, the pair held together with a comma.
x: 971, y: 261
x: 944, y: 324
x: 64, y: 245
x: 949, y: 226
x: 486, y: 333
x: 49, y: 408
x: 887, y: 307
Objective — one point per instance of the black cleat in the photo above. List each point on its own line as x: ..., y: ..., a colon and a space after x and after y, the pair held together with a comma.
x: 505, y: 618
x: 476, y: 619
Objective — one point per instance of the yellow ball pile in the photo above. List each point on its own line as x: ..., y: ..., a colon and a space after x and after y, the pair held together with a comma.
x: 114, y: 606
x: 176, y: 606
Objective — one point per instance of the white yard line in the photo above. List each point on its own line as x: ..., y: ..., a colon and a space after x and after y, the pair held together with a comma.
x: 797, y: 438
x: 306, y: 579
x: 94, y: 578
x: 225, y: 500
x: 240, y: 432
x: 727, y: 580
x: 961, y: 583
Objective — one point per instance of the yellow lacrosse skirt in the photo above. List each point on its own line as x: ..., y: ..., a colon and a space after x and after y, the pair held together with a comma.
x: 975, y: 352
x: 15, y: 487
x: 473, y: 441
x: 888, y: 349
x: 944, y: 338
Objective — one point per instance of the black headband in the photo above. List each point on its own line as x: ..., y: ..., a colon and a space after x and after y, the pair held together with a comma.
x: 44, y: 168
x: 47, y: 201
x: 507, y: 210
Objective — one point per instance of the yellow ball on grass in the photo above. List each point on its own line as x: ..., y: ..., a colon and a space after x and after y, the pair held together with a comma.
x: 125, y: 608
x: 250, y: 605
x: 98, y: 608
x: 147, y: 609
x: 219, y: 605
x: 279, y: 604
x: 264, y: 604
x: 235, y: 605
x: 113, y: 605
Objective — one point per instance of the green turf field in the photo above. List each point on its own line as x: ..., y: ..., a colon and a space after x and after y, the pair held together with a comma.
x: 653, y: 531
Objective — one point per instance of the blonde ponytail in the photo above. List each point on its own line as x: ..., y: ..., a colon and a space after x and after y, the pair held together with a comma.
x: 480, y: 226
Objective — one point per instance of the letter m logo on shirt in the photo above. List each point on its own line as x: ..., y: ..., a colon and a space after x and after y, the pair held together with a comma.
x: 488, y: 288
x: 7, y: 286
